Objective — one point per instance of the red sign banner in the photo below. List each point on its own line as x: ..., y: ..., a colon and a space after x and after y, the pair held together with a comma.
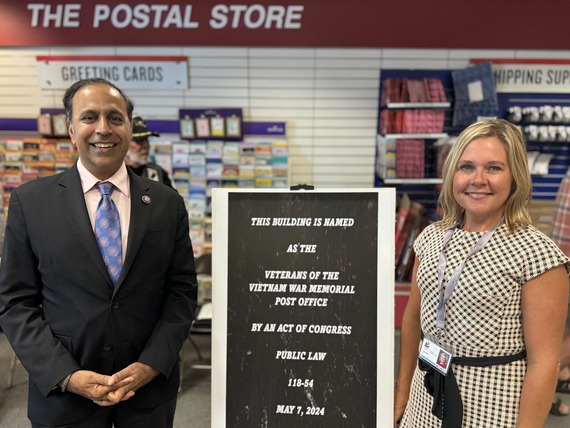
x: 295, y: 23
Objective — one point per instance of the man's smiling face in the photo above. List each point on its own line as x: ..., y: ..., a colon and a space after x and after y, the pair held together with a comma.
x: 100, y: 129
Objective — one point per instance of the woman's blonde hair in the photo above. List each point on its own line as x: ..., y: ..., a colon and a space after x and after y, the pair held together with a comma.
x: 516, y: 206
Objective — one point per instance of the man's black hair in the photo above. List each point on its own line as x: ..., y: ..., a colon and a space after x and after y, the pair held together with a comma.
x: 70, y: 92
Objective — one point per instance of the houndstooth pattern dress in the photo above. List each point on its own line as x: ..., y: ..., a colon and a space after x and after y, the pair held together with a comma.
x: 483, y: 319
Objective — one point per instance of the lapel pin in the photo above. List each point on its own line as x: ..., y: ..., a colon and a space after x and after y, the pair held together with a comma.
x: 146, y: 199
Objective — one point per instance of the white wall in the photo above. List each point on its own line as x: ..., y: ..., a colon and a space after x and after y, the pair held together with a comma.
x: 328, y: 97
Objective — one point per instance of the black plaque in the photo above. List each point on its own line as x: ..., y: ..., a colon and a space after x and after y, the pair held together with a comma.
x: 302, y: 310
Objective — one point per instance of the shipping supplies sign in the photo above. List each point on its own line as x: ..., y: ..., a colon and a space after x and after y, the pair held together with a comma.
x: 531, y: 76
x: 303, y: 325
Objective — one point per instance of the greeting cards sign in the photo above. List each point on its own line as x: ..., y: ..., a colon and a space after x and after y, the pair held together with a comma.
x: 127, y: 72
x: 303, y: 308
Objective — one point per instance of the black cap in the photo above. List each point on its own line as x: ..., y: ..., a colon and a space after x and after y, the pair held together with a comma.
x: 140, y: 131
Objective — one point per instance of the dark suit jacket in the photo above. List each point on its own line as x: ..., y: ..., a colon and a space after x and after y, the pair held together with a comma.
x: 60, y: 310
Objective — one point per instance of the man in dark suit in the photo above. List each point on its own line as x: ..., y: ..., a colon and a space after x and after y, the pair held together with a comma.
x: 99, y: 351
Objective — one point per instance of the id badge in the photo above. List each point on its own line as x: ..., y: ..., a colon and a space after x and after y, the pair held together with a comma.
x: 435, y: 356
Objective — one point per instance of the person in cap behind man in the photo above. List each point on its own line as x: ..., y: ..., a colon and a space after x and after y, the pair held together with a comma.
x: 138, y: 154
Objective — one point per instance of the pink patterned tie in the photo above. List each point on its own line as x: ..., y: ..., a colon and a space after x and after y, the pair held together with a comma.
x: 108, y: 231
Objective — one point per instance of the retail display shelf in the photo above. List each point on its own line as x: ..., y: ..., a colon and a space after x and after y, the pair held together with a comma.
x: 536, y: 140
x: 401, y: 296
x: 428, y: 136
x: 413, y: 181
x: 418, y: 105
x: 402, y: 287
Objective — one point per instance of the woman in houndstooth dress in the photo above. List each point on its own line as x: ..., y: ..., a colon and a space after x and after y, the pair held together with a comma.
x: 510, y: 297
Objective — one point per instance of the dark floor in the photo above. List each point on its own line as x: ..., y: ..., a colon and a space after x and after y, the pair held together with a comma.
x: 193, y: 409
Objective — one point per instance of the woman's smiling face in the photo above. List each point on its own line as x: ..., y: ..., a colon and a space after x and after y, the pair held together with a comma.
x: 482, y: 183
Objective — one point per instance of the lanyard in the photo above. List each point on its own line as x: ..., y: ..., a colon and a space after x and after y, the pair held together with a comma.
x: 454, y: 279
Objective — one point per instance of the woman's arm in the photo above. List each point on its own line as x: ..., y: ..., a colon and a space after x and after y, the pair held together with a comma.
x: 544, y: 304
x: 409, y: 343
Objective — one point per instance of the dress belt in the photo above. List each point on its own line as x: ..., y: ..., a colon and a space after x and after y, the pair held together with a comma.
x: 447, y: 404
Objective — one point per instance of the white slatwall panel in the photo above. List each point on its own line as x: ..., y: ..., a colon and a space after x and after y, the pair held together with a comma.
x: 328, y: 97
